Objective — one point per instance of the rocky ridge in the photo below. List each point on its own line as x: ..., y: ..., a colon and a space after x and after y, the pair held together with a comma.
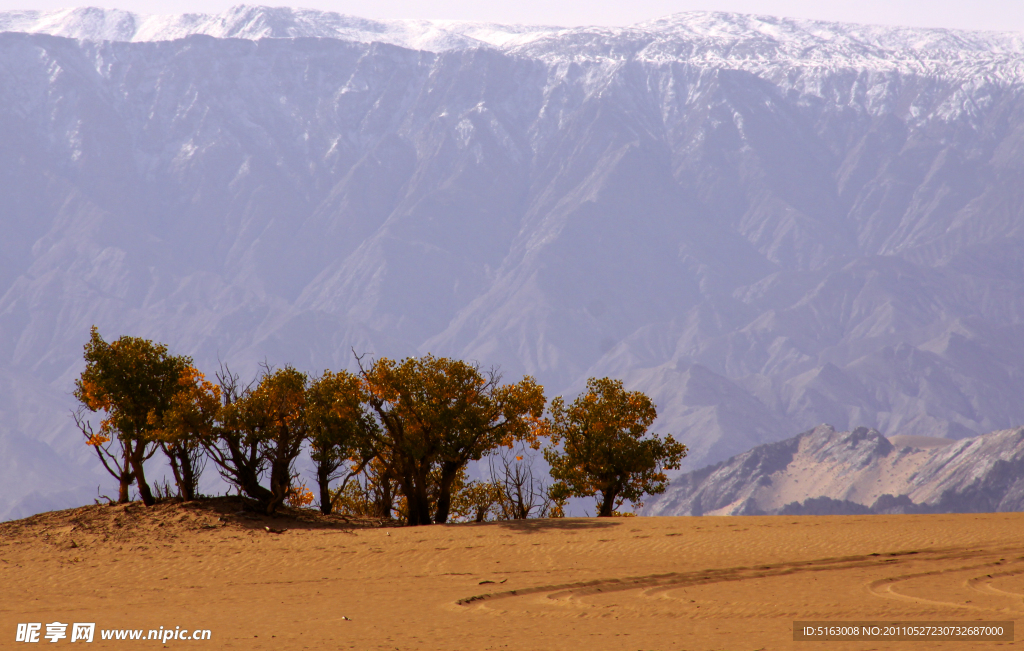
x: 825, y: 472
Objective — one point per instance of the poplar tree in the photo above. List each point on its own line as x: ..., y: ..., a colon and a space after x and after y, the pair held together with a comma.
x: 186, y: 426
x: 341, y: 431
x: 267, y: 425
x: 600, y: 447
x: 438, y: 414
x: 132, y: 382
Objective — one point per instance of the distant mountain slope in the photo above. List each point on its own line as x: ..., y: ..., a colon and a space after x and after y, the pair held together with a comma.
x: 763, y: 223
x: 827, y: 472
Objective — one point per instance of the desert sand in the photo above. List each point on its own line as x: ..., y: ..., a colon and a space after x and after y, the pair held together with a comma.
x: 695, y: 583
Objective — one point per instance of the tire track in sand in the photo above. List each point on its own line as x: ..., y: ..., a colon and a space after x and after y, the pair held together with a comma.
x: 887, y: 587
x: 659, y: 582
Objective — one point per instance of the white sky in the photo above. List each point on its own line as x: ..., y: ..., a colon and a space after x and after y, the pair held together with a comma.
x: 1004, y: 15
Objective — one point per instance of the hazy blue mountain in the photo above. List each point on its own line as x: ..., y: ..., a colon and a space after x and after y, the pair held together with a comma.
x: 765, y: 224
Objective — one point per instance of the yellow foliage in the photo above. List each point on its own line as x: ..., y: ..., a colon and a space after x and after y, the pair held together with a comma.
x: 600, y: 446
x: 300, y: 496
x: 191, y: 410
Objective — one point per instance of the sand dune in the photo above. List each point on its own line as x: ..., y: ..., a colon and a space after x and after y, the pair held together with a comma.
x: 631, y: 583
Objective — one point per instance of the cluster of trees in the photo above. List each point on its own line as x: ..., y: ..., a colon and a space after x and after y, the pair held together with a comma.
x: 395, y: 438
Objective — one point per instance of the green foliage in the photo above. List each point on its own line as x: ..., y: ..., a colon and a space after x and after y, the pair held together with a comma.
x: 604, y: 451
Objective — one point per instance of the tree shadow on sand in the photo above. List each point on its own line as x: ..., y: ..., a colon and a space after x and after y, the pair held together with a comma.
x: 541, y: 525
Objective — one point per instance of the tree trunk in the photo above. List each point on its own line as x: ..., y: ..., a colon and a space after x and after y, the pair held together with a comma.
x: 184, y: 473
x: 608, y: 503
x: 405, y: 483
x: 423, y: 498
x: 414, y: 485
x: 385, y: 497
x: 124, y: 480
x: 175, y: 470
x: 189, y: 482
x: 449, y: 472
x: 243, y: 471
x: 138, y: 455
x: 276, y: 500
x: 280, y: 482
x: 323, y: 480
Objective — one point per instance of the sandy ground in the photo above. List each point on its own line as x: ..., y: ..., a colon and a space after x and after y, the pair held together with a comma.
x: 625, y: 583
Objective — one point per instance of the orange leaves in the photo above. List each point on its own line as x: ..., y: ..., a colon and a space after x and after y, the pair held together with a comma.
x: 93, y: 397
x: 197, y: 387
x: 300, y: 496
x: 97, y: 440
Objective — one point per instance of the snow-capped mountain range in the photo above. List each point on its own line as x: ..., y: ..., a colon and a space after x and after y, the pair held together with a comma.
x: 749, y: 41
x: 764, y: 223
x: 254, y: 23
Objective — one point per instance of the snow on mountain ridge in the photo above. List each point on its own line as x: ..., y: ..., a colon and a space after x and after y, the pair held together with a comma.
x: 723, y: 35
x: 254, y: 23
x: 774, y: 47
x: 763, y: 45
x: 804, y: 33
